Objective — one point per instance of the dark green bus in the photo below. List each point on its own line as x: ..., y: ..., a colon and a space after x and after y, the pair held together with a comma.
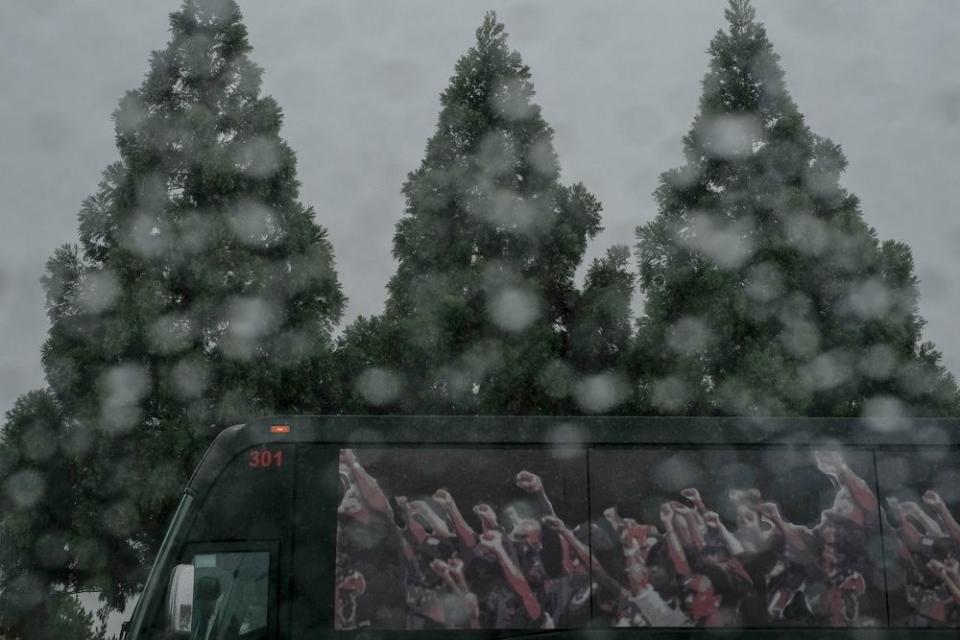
x: 495, y: 527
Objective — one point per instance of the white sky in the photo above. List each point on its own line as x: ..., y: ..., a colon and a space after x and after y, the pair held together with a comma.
x: 359, y: 84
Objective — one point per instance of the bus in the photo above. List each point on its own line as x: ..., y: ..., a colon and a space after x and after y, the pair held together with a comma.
x: 493, y: 527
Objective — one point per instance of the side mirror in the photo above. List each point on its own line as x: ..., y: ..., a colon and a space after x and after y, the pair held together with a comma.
x: 180, y: 600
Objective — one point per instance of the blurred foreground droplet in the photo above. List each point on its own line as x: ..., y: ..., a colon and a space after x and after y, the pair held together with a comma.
x: 25, y: 488
x: 378, y: 386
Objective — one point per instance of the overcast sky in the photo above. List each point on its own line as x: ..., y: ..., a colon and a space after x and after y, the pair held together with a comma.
x: 359, y: 84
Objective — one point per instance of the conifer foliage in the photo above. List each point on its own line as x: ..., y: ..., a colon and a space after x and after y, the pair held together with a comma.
x: 766, y: 292
x: 479, y: 312
x: 602, y: 327
x: 37, y: 518
x: 202, y: 293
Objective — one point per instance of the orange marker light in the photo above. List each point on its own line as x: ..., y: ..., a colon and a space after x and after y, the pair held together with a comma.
x: 279, y: 428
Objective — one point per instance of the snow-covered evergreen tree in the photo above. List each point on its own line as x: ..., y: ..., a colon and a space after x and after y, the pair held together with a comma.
x: 202, y: 293
x: 480, y: 309
x: 766, y: 291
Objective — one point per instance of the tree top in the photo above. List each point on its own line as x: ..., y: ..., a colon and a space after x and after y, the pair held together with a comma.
x: 490, y: 31
x: 211, y: 12
x: 740, y: 14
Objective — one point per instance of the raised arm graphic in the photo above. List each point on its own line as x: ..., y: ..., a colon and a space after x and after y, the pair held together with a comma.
x: 935, y: 502
x: 493, y: 542
x: 460, y: 525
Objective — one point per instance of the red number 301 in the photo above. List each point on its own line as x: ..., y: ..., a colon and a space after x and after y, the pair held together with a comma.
x: 264, y: 458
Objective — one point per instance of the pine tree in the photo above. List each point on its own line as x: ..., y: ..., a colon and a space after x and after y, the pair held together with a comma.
x: 203, y: 293
x: 601, y: 335
x: 602, y: 327
x: 364, y: 382
x: 70, y: 622
x: 482, y: 301
x: 35, y: 518
x: 767, y: 293
x: 45, y: 531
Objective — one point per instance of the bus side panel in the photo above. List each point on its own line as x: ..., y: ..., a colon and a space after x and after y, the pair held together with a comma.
x: 920, y: 491
x: 314, y: 542
x: 368, y: 565
x: 829, y: 572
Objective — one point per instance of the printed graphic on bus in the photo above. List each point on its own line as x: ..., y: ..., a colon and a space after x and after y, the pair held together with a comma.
x: 736, y: 538
x: 462, y: 538
x: 921, y: 501
x: 645, y: 537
